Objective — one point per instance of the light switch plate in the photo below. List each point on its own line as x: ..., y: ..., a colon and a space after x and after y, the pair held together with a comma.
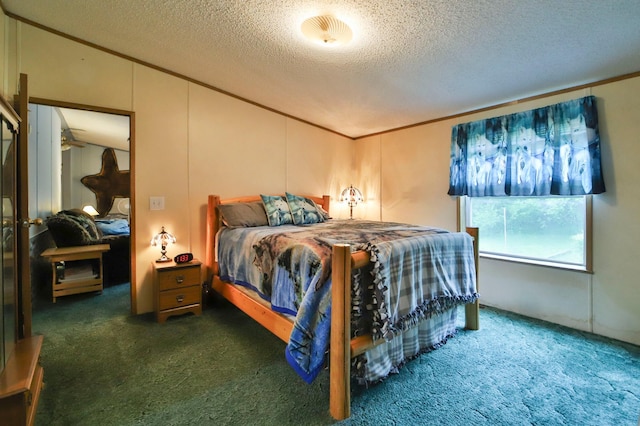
x: 156, y: 203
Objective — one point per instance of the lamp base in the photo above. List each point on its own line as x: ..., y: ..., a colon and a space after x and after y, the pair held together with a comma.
x: 163, y: 259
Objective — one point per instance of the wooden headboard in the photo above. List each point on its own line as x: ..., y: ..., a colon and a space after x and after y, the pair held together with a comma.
x: 214, y: 222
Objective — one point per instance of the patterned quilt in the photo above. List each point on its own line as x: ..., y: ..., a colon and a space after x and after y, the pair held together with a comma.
x: 415, y: 272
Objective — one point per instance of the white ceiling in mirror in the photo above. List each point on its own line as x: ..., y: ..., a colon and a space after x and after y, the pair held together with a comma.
x: 97, y: 128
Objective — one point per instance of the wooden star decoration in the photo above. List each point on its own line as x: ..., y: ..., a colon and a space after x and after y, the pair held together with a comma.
x: 109, y: 184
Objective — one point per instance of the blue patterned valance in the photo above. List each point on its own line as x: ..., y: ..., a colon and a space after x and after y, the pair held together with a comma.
x: 553, y: 150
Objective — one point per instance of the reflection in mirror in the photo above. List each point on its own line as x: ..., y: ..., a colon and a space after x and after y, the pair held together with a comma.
x: 8, y: 288
x: 85, y: 136
x: 69, y: 144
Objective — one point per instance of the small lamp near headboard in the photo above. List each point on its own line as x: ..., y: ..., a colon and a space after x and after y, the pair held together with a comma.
x: 352, y: 196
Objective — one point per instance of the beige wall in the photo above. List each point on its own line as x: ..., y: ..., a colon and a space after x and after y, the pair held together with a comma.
x: 367, y: 178
x: 207, y: 143
x: 189, y: 141
x: 60, y: 69
x: 413, y: 174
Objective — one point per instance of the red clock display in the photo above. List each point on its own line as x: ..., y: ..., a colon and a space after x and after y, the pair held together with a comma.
x: 183, y: 258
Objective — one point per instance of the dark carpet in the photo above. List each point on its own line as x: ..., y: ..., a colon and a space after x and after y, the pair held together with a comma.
x: 106, y: 367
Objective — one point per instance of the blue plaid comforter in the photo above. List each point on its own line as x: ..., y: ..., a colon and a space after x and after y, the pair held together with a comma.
x: 415, y: 272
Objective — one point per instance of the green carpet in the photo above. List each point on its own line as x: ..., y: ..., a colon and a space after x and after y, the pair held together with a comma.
x: 106, y: 367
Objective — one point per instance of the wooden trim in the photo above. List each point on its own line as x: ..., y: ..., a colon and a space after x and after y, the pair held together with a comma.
x: 23, y: 258
x: 589, y: 234
x: 240, y: 98
x: 132, y: 215
x: 74, y: 252
x: 508, y: 103
x: 472, y: 310
x: 322, y: 201
x: 166, y: 71
x: 72, y: 105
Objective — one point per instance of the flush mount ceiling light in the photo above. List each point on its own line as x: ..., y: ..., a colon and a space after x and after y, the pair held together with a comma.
x: 326, y: 30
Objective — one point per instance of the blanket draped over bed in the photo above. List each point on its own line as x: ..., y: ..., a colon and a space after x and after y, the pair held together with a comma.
x: 415, y: 272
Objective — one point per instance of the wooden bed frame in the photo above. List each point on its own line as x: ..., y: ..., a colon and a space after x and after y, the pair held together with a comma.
x: 342, y: 347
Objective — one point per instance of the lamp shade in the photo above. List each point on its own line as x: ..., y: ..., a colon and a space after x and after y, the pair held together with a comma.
x: 163, y: 239
x: 89, y: 209
x: 352, y: 196
x: 326, y: 30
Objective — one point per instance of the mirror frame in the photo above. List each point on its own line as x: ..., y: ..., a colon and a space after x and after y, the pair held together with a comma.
x: 132, y: 212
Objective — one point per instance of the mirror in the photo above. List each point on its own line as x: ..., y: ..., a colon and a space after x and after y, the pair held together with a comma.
x: 65, y: 145
x: 7, y: 277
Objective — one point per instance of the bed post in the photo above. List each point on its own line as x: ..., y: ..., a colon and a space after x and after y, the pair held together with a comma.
x: 340, y: 353
x: 212, y: 229
x: 472, y: 310
x: 326, y: 200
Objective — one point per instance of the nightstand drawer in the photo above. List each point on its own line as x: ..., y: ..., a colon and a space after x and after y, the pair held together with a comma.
x: 177, y: 278
x: 177, y: 289
x: 179, y: 297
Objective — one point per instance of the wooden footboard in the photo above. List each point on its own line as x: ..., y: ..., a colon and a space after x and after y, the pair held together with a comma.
x: 343, y: 348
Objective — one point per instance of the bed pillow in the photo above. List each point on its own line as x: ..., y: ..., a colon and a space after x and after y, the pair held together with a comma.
x: 304, y: 211
x: 277, y: 210
x: 325, y: 214
x: 66, y: 231
x: 243, y: 215
x: 85, y: 220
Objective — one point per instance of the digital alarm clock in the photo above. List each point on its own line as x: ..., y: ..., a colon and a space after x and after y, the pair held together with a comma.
x: 183, y: 258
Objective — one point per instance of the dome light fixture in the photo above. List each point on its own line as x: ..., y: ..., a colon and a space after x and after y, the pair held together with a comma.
x: 327, y: 30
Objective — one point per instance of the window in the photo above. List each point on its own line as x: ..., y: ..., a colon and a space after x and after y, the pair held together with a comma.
x: 546, y: 230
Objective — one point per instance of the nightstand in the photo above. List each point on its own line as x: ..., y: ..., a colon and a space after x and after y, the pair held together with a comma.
x: 177, y: 289
x: 76, y: 269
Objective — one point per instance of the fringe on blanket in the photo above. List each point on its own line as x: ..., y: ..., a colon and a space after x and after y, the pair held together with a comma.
x: 358, y: 364
x: 382, y: 326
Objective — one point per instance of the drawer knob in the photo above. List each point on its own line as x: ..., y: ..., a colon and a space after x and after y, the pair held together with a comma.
x: 180, y: 298
x: 179, y: 279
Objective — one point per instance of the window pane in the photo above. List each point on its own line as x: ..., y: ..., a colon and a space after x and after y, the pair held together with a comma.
x: 541, y: 228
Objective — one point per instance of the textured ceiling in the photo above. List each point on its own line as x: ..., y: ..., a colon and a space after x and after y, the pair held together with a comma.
x: 408, y: 62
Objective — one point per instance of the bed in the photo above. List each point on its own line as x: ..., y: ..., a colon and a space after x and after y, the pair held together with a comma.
x: 338, y: 318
